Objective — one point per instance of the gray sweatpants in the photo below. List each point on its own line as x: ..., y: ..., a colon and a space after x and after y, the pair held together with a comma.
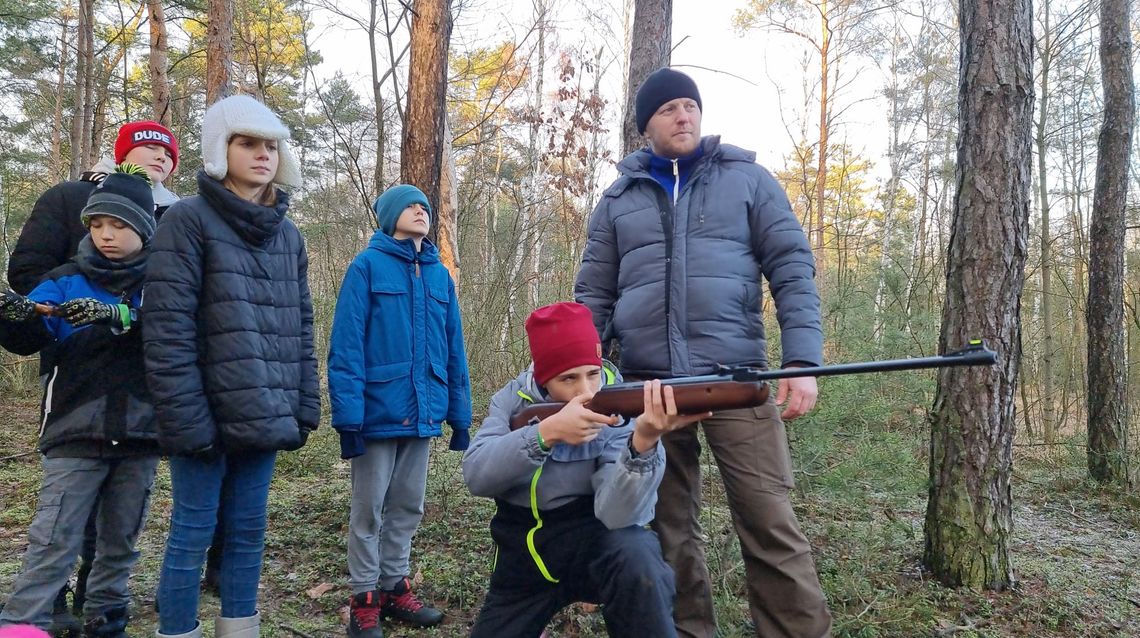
x: 70, y: 490
x: 388, y: 485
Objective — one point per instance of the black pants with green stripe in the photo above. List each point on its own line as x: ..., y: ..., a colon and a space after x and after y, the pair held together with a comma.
x: 621, y: 569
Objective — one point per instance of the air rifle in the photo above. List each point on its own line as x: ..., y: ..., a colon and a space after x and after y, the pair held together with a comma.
x: 734, y: 387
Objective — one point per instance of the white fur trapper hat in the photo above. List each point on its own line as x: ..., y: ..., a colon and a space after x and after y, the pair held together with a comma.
x: 244, y: 115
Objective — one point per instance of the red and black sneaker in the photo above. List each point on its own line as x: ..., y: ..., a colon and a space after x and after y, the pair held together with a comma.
x: 364, y: 615
x: 400, y: 603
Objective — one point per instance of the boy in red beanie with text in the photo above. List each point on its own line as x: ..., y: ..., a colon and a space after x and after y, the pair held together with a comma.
x: 574, y: 491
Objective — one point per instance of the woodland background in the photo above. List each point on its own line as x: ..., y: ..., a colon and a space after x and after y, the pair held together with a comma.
x: 514, y: 131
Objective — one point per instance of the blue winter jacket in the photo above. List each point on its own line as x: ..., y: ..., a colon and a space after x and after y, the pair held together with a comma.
x: 397, y: 366
x: 678, y: 283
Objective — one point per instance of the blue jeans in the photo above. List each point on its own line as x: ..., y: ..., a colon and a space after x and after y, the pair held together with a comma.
x: 239, y: 484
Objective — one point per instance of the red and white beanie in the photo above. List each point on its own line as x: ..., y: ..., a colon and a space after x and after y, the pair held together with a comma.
x: 134, y: 134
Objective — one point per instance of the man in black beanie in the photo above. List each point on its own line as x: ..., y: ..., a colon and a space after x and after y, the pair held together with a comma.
x: 670, y: 272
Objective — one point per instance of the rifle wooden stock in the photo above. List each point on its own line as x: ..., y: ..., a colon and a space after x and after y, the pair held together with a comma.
x: 693, y: 395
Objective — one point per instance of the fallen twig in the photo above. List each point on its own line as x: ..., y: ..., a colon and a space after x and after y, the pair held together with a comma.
x: 17, y: 456
x: 297, y: 632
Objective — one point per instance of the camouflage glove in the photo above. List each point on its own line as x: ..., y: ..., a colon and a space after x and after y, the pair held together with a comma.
x: 16, y: 308
x: 85, y: 311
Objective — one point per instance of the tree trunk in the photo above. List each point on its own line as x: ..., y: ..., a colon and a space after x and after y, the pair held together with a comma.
x: 159, y: 81
x: 84, y: 68
x: 650, y: 48
x: 447, y: 226
x: 377, y: 99
x: 1048, y: 414
x: 1108, y: 435
x: 969, y: 514
x: 821, y: 156
x: 219, y: 49
x: 422, y: 152
x: 57, y: 168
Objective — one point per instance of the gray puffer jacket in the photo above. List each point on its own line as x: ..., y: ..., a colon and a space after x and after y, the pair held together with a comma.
x: 503, y: 464
x: 678, y: 285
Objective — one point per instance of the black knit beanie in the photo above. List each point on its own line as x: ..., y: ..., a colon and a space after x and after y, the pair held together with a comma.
x: 660, y: 87
x: 125, y: 196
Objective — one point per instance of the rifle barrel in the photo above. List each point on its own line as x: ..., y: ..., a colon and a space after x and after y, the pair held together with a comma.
x: 970, y: 357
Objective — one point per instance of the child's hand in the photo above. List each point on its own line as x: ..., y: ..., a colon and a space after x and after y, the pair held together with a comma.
x: 85, y: 311
x: 574, y: 423
x: 16, y: 308
x: 660, y: 416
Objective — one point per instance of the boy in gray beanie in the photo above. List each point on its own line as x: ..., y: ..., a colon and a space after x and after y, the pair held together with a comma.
x: 98, y: 438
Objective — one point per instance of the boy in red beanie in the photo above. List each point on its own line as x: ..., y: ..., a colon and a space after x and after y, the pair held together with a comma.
x: 574, y: 491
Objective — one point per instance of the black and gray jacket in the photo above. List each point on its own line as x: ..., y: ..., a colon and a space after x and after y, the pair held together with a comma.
x: 512, y: 468
x: 96, y: 403
x: 54, y: 229
x: 678, y: 284
x: 228, y: 326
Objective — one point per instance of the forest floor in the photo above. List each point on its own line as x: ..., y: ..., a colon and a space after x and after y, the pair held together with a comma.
x: 860, y: 497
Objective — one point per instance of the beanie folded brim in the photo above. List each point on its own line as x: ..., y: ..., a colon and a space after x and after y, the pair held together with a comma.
x: 565, y: 356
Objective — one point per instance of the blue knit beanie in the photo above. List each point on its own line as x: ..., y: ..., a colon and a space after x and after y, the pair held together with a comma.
x: 392, y: 202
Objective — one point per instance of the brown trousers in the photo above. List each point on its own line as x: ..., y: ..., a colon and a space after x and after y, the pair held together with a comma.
x: 751, y: 449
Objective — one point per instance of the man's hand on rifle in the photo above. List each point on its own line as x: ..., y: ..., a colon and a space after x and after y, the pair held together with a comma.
x: 574, y: 423
x: 800, y: 394
x: 660, y: 416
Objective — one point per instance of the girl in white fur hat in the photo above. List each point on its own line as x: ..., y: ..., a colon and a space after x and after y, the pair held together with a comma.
x: 228, y: 336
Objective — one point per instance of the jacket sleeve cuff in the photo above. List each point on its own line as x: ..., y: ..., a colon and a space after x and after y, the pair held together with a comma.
x: 533, y: 449
x: 645, y: 462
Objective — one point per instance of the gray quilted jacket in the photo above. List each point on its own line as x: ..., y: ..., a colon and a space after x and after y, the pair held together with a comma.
x: 678, y: 284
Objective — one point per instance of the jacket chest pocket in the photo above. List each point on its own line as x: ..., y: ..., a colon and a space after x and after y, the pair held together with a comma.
x: 390, y: 321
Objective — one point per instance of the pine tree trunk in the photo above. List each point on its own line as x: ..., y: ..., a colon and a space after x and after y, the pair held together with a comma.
x: 1108, y: 434
x: 159, y: 81
x: 650, y: 48
x: 421, y: 155
x: 969, y: 514
x: 219, y: 49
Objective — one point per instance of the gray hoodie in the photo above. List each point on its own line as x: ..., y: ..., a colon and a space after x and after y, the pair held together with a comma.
x: 503, y: 464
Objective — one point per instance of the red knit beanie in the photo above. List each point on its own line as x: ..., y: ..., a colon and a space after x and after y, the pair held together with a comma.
x: 562, y: 336
x: 134, y: 134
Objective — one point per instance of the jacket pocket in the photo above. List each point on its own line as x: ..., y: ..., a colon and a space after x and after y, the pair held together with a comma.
x: 388, y: 394
x: 439, y: 393
x: 43, y: 526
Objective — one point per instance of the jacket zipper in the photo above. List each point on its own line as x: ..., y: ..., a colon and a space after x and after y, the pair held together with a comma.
x: 47, y: 398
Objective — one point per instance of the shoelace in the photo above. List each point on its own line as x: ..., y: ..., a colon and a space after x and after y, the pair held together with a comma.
x: 406, y: 600
x: 366, y: 617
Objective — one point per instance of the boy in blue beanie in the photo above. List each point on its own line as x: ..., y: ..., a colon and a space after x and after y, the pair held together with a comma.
x: 397, y: 370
